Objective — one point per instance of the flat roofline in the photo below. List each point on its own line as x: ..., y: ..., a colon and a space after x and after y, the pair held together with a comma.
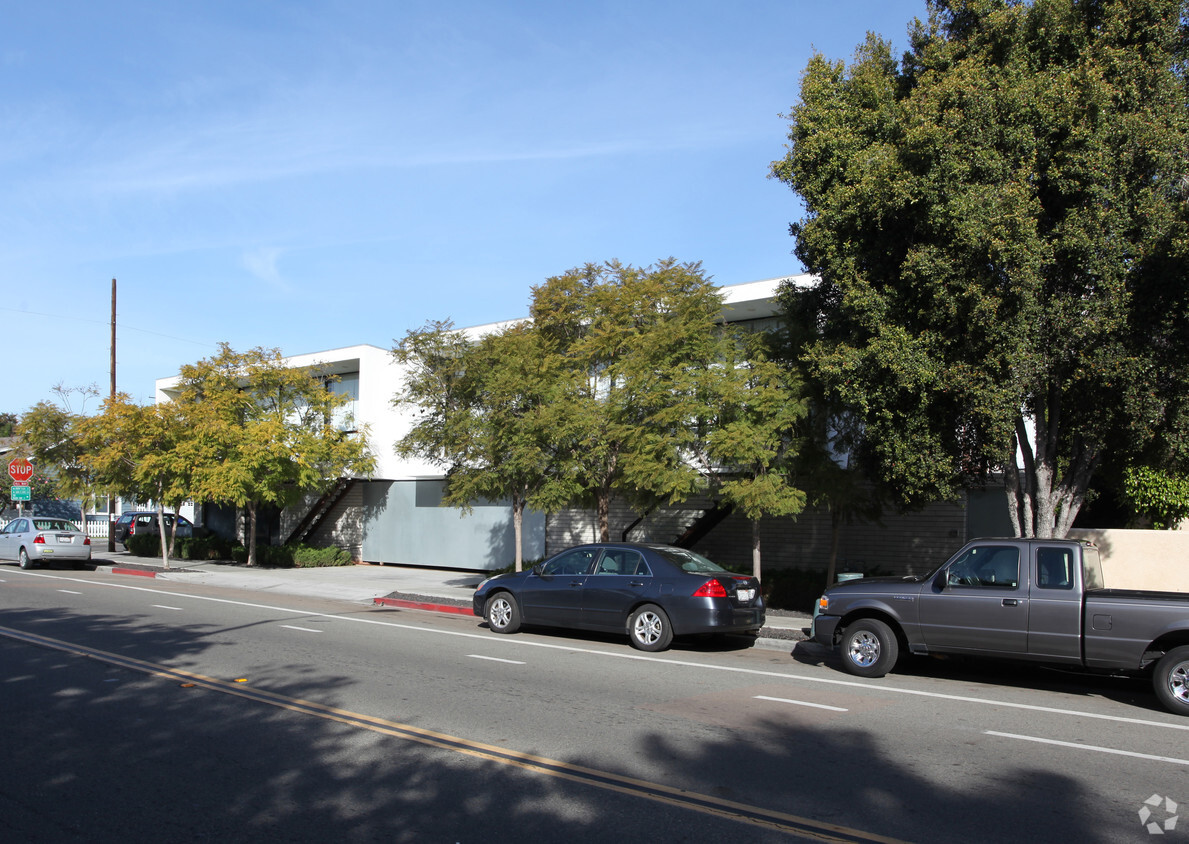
x: 743, y: 301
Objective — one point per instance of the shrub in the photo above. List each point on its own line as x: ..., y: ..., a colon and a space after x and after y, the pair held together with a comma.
x: 307, y: 556
x: 202, y: 548
x: 143, y: 545
x: 1159, y: 496
x: 290, y: 556
x: 184, y: 548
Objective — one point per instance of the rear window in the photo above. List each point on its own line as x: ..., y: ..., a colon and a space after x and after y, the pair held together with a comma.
x: 52, y: 524
x: 688, y: 560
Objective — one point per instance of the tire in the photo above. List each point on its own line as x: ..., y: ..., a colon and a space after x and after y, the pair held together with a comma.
x: 502, y: 613
x: 1171, y: 680
x: 24, y: 559
x: 869, y: 648
x: 649, y: 629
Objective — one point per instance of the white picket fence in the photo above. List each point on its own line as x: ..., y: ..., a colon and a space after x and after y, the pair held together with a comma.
x: 97, y: 528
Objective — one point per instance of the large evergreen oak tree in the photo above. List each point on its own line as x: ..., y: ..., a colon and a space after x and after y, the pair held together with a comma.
x: 998, y: 222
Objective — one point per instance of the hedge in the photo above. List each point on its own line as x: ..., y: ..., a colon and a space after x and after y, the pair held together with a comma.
x: 217, y: 548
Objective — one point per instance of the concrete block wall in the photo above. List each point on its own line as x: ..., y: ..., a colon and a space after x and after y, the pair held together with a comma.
x: 343, y: 525
x: 910, y: 543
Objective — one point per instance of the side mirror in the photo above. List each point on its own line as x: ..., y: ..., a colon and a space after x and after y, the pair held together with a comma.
x: 942, y: 580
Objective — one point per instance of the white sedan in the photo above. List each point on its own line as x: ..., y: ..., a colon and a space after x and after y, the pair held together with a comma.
x: 30, y: 540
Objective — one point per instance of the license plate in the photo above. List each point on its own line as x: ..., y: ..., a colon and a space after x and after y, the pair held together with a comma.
x: 745, y: 594
x: 66, y: 539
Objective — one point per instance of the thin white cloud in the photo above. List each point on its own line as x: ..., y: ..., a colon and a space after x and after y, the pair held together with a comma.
x: 262, y: 263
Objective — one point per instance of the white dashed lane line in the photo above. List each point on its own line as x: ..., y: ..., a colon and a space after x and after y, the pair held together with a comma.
x: 802, y: 703
x: 497, y: 659
x: 302, y: 629
x: 1093, y: 748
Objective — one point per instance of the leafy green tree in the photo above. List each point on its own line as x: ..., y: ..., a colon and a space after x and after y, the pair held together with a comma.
x: 8, y: 424
x: 1159, y: 496
x: 49, y: 434
x: 637, y: 344
x: 132, y: 450
x: 998, y: 222
x: 752, y: 436
x: 828, y: 468
x: 486, y: 416
x: 259, y: 431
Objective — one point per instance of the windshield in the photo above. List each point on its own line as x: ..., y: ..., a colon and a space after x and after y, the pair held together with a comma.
x: 688, y: 560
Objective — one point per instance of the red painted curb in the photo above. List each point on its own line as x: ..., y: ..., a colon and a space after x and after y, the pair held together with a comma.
x: 419, y: 605
x: 137, y: 572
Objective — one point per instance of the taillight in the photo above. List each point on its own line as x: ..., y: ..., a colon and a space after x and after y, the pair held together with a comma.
x: 39, y: 539
x: 86, y: 540
x: 712, y: 588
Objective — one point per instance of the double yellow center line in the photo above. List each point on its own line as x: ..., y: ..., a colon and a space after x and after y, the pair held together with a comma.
x: 805, y: 828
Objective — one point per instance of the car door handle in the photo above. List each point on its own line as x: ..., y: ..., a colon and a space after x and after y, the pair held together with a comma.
x: 575, y: 583
x: 1011, y: 602
x: 636, y: 583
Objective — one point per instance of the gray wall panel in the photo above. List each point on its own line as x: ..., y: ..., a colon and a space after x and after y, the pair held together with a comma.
x: 404, y: 522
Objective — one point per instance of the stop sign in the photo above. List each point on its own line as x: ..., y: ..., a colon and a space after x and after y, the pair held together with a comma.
x: 20, y: 470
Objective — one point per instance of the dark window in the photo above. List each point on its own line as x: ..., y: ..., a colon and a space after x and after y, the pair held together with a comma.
x: 621, y: 561
x: 992, y: 566
x: 1054, y: 568
x: 577, y: 561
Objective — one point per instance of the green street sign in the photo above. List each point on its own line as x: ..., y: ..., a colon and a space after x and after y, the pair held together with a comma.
x: 20, y: 493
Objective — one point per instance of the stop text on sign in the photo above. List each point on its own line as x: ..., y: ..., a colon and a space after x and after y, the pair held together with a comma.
x: 20, y: 470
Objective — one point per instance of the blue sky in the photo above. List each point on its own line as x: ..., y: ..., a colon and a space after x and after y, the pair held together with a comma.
x: 309, y: 175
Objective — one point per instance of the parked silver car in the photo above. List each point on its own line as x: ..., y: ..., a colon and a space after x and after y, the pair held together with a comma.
x: 33, y: 540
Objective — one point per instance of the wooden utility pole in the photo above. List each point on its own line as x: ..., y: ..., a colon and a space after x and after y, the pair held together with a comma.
x: 111, y: 503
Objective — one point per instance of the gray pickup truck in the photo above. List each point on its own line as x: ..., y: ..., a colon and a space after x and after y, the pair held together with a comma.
x: 1030, y: 599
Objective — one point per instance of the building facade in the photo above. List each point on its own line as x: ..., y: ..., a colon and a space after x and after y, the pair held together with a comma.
x: 397, y: 516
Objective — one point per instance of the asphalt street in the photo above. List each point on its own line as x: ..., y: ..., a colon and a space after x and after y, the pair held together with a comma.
x: 199, y: 711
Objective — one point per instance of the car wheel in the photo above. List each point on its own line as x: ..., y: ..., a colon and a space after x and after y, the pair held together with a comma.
x: 869, y: 648
x: 1171, y: 680
x: 502, y: 613
x: 24, y: 559
x: 649, y: 628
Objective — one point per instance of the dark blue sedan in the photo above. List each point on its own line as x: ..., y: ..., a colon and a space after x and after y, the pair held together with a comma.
x: 650, y: 592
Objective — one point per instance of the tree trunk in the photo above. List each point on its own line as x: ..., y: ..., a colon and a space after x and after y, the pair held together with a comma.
x: 252, y: 533
x: 1040, y: 504
x: 518, y: 528
x: 84, y: 500
x: 755, y: 548
x: 161, y: 529
x: 604, y: 511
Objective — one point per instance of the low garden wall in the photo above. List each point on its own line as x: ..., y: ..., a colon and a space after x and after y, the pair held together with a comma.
x: 1153, y: 560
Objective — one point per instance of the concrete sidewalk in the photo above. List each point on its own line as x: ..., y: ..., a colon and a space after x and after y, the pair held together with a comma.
x: 434, y: 590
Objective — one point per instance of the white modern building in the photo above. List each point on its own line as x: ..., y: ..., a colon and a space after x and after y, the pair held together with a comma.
x: 396, y: 515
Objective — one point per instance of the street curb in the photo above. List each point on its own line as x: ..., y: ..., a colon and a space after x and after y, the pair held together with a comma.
x: 770, y: 638
x: 421, y: 605
x: 137, y: 572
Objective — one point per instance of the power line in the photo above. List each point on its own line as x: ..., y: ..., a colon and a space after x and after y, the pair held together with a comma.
x: 119, y: 325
